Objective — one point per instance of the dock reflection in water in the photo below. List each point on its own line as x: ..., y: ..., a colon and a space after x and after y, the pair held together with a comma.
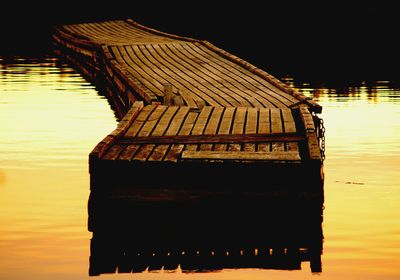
x: 204, y: 235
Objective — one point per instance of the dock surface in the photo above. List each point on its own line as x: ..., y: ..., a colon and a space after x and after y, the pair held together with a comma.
x: 190, y: 110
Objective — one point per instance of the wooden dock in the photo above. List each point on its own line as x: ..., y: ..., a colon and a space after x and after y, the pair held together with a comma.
x: 192, y: 115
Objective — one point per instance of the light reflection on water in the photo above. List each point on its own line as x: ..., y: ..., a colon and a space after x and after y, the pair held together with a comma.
x: 51, y: 118
x: 49, y: 113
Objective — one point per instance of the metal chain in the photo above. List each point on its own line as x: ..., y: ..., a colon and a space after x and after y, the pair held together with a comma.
x: 320, y: 135
x: 322, y: 138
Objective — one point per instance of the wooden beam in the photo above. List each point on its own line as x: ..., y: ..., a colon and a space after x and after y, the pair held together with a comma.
x: 314, y: 151
x: 241, y: 155
x: 214, y: 138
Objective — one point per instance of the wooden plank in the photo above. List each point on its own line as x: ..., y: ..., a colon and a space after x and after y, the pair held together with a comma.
x: 307, y: 119
x: 212, y: 65
x: 190, y: 79
x: 213, y: 138
x: 277, y: 88
x: 156, y: 70
x: 251, y: 128
x: 128, y: 152
x: 176, y: 123
x: 189, y: 99
x: 103, y: 35
x: 264, y: 126
x: 314, y: 152
x: 313, y: 147
x: 132, y: 75
x: 276, y: 127
x: 113, y: 152
x: 139, y: 121
x: 238, y: 126
x: 210, y: 68
x: 164, y: 122
x: 288, y: 120
x: 289, y: 126
x: 267, y: 89
x: 186, y: 128
x: 200, y: 125
x: 276, y: 121
x: 126, y: 33
x: 212, y: 127
x: 179, y: 81
x: 140, y: 70
x: 144, y: 151
x: 225, y: 127
x: 240, y: 155
x: 160, y: 150
x: 152, y: 120
x: 213, y: 91
x: 194, y: 69
x: 158, y: 153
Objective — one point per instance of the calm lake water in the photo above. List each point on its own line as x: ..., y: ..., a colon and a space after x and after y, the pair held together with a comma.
x: 51, y: 118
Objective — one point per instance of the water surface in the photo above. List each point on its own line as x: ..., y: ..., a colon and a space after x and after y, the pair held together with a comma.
x: 51, y: 118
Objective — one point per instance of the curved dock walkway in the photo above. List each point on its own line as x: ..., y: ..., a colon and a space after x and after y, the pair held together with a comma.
x: 190, y: 110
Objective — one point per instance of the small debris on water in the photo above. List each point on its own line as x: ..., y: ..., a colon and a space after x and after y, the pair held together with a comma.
x: 350, y: 182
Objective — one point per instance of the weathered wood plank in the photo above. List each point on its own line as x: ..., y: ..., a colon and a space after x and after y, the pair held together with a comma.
x: 277, y: 87
x: 238, y: 126
x: 132, y: 76
x: 128, y: 152
x: 190, y: 77
x: 213, y: 138
x: 264, y: 126
x: 165, y: 120
x: 276, y: 121
x: 194, y: 69
x: 240, y: 155
x: 141, y: 118
x: 209, y: 67
x: 161, y: 128
x: 175, y: 77
x: 288, y: 120
x: 289, y: 125
x: 160, y: 151
x: 144, y: 151
x: 314, y: 152
x: 212, y: 126
x: 200, y: 125
x: 226, y: 73
x: 187, y: 126
x: 307, y: 119
x: 138, y: 67
x: 176, y: 123
x: 277, y: 127
x: 251, y: 127
x: 225, y: 127
x: 152, y: 120
x: 113, y: 152
x: 266, y: 88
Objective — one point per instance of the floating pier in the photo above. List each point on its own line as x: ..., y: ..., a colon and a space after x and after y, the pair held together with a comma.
x: 193, y: 116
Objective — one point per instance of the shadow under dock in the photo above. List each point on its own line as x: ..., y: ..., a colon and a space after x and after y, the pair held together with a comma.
x: 204, y: 233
